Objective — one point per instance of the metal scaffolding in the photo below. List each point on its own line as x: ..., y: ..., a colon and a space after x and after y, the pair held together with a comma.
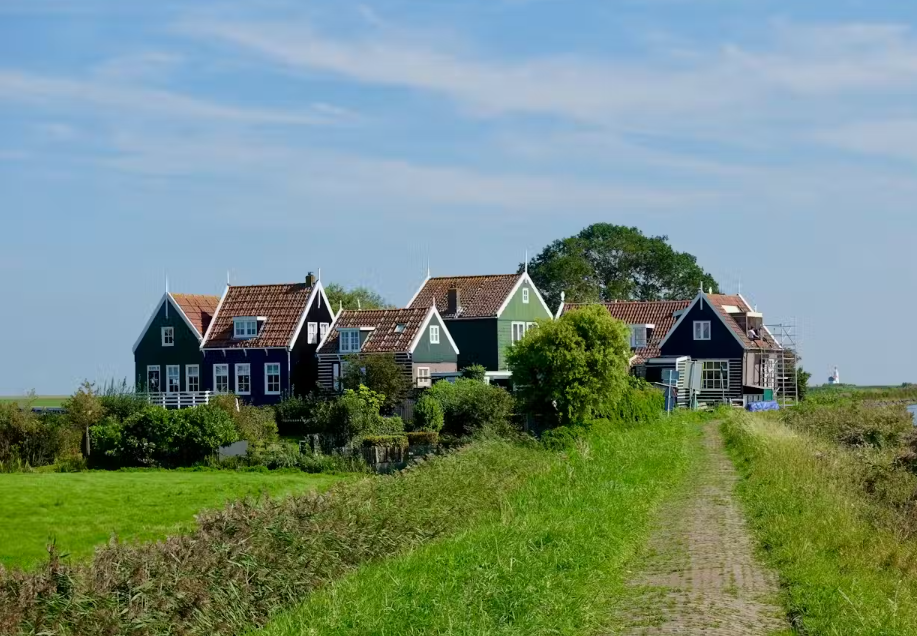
x: 787, y: 388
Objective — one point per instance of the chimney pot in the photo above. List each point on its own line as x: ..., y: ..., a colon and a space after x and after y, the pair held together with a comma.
x: 310, y: 280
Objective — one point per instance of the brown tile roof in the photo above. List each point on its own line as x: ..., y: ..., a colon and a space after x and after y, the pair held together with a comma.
x: 383, y: 322
x: 282, y: 305
x: 721, y: 301
x: 479, y: 296
x: 645, y: 312
x: 198, y: 308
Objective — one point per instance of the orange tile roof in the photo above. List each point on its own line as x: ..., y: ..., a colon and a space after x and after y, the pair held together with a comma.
x: 644, y: 312
x: 198, y: 308
x: 479, y: 296
x: 384, y: 338
x: 721, y: 301
x: 282, y: 305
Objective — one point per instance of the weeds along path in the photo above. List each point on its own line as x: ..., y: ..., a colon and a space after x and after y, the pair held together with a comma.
x: 699, y: 575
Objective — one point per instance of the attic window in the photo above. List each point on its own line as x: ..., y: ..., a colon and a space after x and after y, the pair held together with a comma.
x: 245, y: 327
x: 638, y: 335
x: 400, y: 327
x: 732, y: 309
x: 350, y: 340
x: 525, y: 295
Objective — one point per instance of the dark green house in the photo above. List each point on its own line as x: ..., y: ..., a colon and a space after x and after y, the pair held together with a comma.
x: 485, y: 314
x: 167, y: 355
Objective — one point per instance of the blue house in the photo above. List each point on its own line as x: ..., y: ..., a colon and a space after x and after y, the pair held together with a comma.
x: 262, y: 340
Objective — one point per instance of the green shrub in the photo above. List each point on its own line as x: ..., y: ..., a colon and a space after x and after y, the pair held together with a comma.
x: 30, y: 439
x: 198, y: 432
x: 470, y: 406
x: 105, y: 442
x: 638, y: 402
x: 120, y: 401
x: 423, y: 438
x: 852, y: 423
x: 476, y: 372
x: 256, y: 424
x: 388, y: 441
x: 428, y: 414
x: 379, y: 373
x: 353, y: 415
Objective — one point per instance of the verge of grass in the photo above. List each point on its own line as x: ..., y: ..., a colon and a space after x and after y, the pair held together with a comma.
x: 83, y: 510
x: 551, y: 560
x: 840, y: 573
x: 39, y: 400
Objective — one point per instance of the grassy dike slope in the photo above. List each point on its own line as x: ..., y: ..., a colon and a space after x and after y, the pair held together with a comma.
x: 841, y: 573
x: 551, y: 561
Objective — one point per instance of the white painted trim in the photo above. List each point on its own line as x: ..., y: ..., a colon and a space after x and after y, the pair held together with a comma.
x: 525, y: 295
x: 213, y: 320
x: 432, y: 332
x: 417, y: 293
x: 188, y: 368
x: 728, y: 362
x: 215, y: 367
x: 162, y: 335
x: 341, y: 340
x: 709, y: 330
x: 318, y: 288
x: 245, y: 320
x: 181, y: 312
x: 560, y: 310
x: 512, y: 332
x: 158, y: 371
x: 279, y: 379
x: 236, y: 378
x: 173, y: 366
x: 167, y: 297
x: 443, y: 329
x: 699, y: 298
x: 331, y: 328
x: 428, y: 380
x: 523, y: 277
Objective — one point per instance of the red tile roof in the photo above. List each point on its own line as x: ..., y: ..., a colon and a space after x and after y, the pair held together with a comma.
x: 721, y: 301
x: 384, y: 337
x: 282, y: 305
x: 479, y: 296
x: 645, y: 312
x: 198, y: 308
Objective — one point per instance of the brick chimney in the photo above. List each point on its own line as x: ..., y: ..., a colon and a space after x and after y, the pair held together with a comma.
x: 310, y: 280
x: 453, y: 301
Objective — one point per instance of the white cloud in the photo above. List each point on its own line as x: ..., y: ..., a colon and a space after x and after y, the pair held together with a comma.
x: 894, y: 138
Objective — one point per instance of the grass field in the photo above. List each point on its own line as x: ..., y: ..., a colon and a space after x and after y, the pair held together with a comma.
x: 552, y: 561
x: 39, y: 400
x: 82, y: 510
x: 841, y: 572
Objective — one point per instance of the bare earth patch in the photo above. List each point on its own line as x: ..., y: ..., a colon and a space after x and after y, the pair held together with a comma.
x: 699, y: 575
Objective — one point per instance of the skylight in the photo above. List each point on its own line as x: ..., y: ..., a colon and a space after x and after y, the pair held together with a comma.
x: 732, y: 309
x: 400, y: 327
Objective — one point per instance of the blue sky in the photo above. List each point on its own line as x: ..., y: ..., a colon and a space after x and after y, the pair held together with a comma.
x: 776, y: 141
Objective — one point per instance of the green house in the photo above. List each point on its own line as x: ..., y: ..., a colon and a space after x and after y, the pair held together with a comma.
x: 167, y: 355
x: 484, y: 314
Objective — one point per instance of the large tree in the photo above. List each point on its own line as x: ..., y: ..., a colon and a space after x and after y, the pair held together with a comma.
x: 354, y: 298
x: 613, y: 262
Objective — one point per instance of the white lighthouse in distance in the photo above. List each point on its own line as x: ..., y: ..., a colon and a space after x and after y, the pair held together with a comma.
x: 834, y: 378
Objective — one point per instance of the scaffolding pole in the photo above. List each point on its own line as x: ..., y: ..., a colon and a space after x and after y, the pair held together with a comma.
x: 787, y: 385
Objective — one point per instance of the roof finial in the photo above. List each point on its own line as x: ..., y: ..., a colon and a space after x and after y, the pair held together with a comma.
x: 167, y: 283
x: 563, y: 296
x: 359, y: 305
x: 227, y: 278
x: 526, y: 261
x: 428, y: 267
x: 340, y: 306
x: 319, y: 274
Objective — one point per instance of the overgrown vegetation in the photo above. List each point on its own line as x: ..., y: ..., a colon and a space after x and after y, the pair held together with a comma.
x: 470, y: 407
x: 830, y: 492
x: 379, y: 373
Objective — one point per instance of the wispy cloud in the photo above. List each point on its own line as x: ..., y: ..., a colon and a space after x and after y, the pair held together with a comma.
x: 893, y: 138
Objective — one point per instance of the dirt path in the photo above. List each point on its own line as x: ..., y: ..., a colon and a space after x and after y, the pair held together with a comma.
x: 700, y: 575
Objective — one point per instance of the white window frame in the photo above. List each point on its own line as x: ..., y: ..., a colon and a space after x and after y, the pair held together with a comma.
x: 158, y: 369
x: 192, y: 371
x: 434, y: 334
x: 635, y: 341
x: 247, y: 367
x: 713, y: 382
x: 423, y: 377
x: 323, y: 330
x: 167, y: 335
x: 216, y: 374
x: 530, y: 325
x: 346, y: 338
x: 525, y: 295
x: 242, y: 327
x: 267, y: 378
x: 177, y: 369
x: 312, y: 333
x: 699, y: 326
x: 336, y: 376
x: 519, y: 329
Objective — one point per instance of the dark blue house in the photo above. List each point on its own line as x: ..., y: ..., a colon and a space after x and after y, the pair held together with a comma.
x: 262, y: 340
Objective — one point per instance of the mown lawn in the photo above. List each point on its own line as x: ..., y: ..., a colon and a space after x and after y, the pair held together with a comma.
x: 82, y: 510
x: 841, y: 572
x: 40, y: 400
x: 552, y: 560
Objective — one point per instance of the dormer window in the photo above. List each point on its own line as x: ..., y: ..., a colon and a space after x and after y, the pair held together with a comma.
x: 638, y: 336
x: 245, y: 328
x: 350, y: 340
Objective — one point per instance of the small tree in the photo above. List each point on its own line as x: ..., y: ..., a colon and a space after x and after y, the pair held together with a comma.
x: 475, y: 372
x: 802, y: 383
x: 428, y: 414
x: 572, y: 369
x: 380, y: 373
x: 85, y: 409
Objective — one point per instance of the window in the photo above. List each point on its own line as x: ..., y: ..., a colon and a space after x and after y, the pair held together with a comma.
x: 243, y: 379
x: 313, y: 333
x: 638, y: 336
x: 221, y: 378
x: 152, y: 379
x: 770, y: 373
x: 350, y: 340
x: 168, y: 336
x: 423, y: 377
x: 336, y: 376
x: 323, y: 330
x: 530, y: 325
x: 715, y: 375
x: 400, y: 327
x: 518, y: 331
x: 702, y: 330
x: 525, y: 295
x: 272, y: 378
x: 173, y: 378
x: 434, y: 334
x: 245, y: 327
x: 192, y: 378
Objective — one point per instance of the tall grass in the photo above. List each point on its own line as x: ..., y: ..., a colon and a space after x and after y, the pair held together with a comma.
x: 845, y: 562
x: 551, y: 560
